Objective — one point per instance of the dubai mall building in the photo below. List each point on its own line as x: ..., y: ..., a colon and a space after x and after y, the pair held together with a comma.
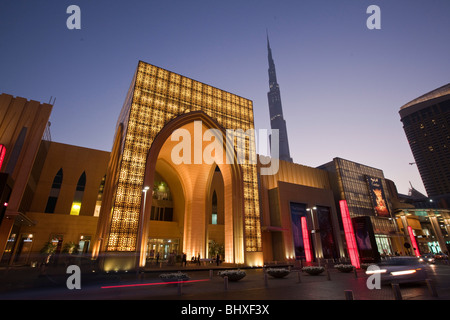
x: 182, y: 177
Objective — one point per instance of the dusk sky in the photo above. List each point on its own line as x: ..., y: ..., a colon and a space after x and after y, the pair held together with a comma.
x: 342, y: 85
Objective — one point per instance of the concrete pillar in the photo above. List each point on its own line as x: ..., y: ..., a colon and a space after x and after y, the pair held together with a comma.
x: 437, y: 231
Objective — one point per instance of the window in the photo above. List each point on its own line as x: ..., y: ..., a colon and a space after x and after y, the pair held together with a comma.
x: 15, y: 153
x: 79, y: 192
x: 214, y: 208
x: 54, y: 192
x: 161, y: 213
x: 98, y: 203
x: 2, y: 154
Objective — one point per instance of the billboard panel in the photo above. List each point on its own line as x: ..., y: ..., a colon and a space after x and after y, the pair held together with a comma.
x: 298, y: 211
x: 365, y: 239
x: 326, y: 232
x: 378, y: 197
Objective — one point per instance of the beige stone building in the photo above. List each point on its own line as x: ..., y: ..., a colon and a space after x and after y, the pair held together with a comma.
x: 67, y: 199
x: 23, y: 124
x: 296, y: 191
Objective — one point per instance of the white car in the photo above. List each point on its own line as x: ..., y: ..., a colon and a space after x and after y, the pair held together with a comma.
x: 400, y: 270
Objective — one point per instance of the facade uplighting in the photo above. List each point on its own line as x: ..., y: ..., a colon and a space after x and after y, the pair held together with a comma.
x: 349, y: 234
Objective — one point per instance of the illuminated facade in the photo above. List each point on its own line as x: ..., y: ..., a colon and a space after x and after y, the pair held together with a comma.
x: 299, y: 216
x: 430, y: 225
x: 165, y: 189
x: 158, y: 103
x: 366, y: 194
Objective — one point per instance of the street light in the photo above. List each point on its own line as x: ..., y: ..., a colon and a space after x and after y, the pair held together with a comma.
x: 313, y: 231
x: 141, y: 231
x: 312, y: 216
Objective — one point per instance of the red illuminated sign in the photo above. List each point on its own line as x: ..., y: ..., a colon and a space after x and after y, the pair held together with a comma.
x: 306, y: 243
x: 2, y: 154
x: 349, y: 234
x: 413, y: 241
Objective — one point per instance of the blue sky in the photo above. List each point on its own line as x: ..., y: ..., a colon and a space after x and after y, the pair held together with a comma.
x: 342, y: 84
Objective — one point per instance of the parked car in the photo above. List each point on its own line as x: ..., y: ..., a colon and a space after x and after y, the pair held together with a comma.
x: 427, y: 258
x: 400, y: 270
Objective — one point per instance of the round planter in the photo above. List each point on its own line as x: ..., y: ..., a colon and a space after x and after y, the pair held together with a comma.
x: 174, y: 277
x: 364, y: 266
x: 277, y: 273
x: 313, y: 271
x: 233, y: 275
x: 346, y: 268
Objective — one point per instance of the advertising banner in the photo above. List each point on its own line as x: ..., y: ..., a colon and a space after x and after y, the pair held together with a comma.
x: 326, y: 232
x: 298, y: 210
x: 378, y: 197
x: 365, y: 239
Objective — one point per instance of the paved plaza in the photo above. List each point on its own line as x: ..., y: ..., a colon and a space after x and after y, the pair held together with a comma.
x: 205, y: 284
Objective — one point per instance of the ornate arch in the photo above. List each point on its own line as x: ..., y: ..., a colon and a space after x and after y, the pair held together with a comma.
x: 233, y: 192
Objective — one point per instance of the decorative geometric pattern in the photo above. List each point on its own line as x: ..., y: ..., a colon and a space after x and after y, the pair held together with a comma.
x: 157, y: 96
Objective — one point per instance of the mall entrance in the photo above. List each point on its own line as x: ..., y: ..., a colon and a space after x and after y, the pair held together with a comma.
x: 193, y: 204
x: 162, y: 248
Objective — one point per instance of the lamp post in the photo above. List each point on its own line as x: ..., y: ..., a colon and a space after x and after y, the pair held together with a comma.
x: 141, y: 231
x: 313, y: 231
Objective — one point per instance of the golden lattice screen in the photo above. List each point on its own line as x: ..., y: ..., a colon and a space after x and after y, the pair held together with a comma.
x: 157, y: 97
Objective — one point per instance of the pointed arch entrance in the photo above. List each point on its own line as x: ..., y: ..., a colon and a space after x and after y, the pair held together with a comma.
x: 157, y: 103
x: 195, y: 180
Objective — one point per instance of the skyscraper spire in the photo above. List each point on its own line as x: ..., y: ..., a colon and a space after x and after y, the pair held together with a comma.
x: 272, y: 74
x: 275, y: 109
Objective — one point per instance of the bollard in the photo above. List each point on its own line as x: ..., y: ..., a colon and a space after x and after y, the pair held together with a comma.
x: 348, y: 294
x: 397, y: 293
x: 266, y: 282
x: 225, y: 281
x: 356, y: 274
x: 328, y: 275
x: 210, y: 274
x: 431, y: 288
x: 299, y: 276
x: 180, y: 285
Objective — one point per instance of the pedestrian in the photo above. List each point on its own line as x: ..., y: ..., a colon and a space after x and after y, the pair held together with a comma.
x: 198, y: 259
x: 217, y: 259
x: 183, y: 261
x: 157, y: 258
